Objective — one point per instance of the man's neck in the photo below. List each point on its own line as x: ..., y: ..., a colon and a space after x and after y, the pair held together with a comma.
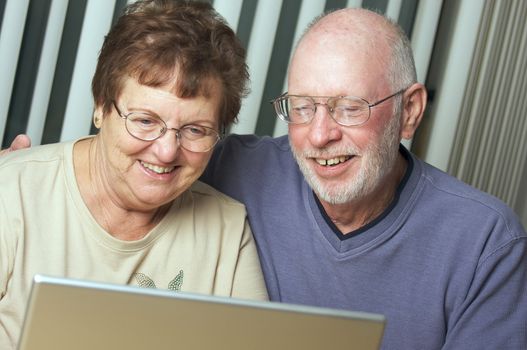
x: 351, y: 216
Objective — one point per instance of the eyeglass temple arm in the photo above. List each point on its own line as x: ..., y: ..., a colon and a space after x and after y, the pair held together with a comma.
x: 386, y: 98
x: 278, y: 98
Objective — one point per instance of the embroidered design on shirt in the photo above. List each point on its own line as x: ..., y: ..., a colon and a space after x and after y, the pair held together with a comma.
x: 146, y: 282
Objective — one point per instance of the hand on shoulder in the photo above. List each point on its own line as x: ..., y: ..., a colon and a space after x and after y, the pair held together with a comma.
x: 20, y: 142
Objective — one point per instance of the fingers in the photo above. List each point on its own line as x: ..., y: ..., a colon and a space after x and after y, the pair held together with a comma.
x: 20, y: 142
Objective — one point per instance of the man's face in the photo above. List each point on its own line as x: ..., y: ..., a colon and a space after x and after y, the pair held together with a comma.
x: 343, y: 163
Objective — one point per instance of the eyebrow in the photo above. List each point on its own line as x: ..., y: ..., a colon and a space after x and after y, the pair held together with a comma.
x: 145, y: 110
x: 210, y: 124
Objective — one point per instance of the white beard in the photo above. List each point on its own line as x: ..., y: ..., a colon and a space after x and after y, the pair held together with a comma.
x: 377, y: 161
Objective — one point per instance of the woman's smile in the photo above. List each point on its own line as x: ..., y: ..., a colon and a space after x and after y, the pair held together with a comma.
x: 156, y: 168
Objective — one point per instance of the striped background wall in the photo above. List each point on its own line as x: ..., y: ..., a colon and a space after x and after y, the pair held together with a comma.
x: 490, y: 150
x: 48, y: 52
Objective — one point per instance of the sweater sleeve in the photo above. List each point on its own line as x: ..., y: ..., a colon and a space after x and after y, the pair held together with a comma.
x: 493, y: 314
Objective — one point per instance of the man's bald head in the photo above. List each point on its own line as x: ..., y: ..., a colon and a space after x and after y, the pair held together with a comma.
x: 379, y: 39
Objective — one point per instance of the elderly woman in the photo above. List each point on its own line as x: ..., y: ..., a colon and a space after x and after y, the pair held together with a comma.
x: 125, y: 205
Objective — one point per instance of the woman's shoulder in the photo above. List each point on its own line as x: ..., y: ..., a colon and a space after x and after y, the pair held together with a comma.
x: 215, y: 212
x: 35, y: 155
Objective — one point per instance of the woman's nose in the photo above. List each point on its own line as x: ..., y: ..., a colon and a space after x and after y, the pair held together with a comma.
x: 168, y: 145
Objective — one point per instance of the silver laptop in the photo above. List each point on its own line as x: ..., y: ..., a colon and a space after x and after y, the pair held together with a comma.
x: 66, y: 314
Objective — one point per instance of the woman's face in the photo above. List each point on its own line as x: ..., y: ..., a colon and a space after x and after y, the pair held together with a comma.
x: 144, y: 175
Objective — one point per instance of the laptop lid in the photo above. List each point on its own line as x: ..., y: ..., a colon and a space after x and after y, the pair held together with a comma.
x: 74, y: 314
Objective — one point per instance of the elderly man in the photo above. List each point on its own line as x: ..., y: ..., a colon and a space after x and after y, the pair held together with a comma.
x: 359, y: 223
x: 346, y: 217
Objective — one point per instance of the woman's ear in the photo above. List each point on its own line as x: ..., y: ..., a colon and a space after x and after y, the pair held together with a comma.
x: 97, y: 117
x: 414, y: 103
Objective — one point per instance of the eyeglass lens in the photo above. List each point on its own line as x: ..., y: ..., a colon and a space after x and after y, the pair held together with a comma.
x: 301, y: 109
x: 194, y: 138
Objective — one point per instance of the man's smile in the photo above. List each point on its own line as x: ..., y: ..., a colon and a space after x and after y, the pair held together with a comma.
x: 332, y: 161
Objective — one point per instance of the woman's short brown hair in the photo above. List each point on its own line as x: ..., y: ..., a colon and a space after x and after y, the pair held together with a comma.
x: 186, y: 43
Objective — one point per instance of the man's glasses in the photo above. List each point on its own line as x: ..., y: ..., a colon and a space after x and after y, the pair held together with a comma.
x: 146, y: 127
x: 345, y: 110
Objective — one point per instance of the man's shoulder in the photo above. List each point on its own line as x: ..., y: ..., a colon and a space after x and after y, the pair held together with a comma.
x: 243, y: 165
x: 204, y: 194
x: 467, y: 202
x: 249, y: 153
x: 253, y: 144
x: 450, y: 185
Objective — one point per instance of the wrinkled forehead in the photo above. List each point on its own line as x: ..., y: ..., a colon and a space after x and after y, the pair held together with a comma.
x: 339, y: 57
x: 349, y: 39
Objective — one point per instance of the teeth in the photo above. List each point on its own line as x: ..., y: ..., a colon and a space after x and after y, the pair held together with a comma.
x: 332, y: 161
x: 157, y: 169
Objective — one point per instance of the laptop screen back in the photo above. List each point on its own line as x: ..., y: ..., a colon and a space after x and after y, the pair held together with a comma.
x: 73, y: 314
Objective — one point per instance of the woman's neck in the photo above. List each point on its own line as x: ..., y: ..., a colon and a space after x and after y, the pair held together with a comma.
x: 103, y: 202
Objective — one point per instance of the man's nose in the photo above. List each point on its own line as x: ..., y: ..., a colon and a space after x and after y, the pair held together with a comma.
x: 323, y: 129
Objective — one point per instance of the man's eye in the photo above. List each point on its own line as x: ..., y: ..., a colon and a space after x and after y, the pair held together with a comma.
x: 302, y: 108
x: 349, y: 109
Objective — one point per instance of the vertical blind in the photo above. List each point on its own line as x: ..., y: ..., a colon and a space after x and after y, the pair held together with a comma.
x: 49, y: 48
x: 489, y: 150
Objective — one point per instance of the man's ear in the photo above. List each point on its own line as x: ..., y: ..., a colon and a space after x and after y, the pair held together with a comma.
x: 414, y: 103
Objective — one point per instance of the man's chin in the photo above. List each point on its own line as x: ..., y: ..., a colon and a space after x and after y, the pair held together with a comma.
x: 336, y: 195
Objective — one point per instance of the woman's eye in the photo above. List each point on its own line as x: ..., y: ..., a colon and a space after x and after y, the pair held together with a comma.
x: 196, y: 130
x: 144, y: 121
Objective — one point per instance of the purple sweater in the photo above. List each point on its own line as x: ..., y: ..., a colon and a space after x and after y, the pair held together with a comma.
x: 445, y: 263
